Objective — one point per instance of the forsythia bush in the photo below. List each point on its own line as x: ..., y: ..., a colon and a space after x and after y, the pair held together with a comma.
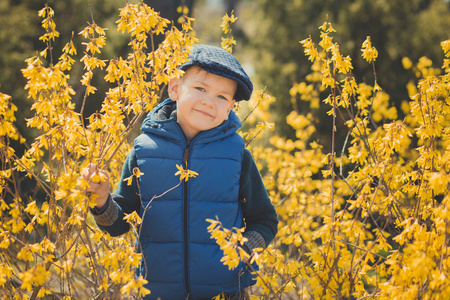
x: 49, y: 244
x: 370, y: 220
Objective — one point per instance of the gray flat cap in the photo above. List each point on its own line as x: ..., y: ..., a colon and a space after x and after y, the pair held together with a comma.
x: 220, y: 62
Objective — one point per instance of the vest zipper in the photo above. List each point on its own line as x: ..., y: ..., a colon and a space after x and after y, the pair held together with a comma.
x: 186, y: 243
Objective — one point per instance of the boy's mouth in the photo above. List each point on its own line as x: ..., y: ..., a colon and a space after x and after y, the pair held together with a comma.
x: 202, y: 112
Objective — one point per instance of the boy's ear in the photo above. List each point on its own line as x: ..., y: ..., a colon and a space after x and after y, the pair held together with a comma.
x: 174, y: 84
x: 231, y: 107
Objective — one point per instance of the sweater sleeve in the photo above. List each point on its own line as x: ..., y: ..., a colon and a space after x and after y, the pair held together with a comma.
x: 259, y: 213
x: 123, y: 201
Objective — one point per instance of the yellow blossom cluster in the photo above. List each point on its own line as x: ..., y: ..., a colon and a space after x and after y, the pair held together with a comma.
x: 230, y: 241
x: 257, y: 119
x: 228, y: 42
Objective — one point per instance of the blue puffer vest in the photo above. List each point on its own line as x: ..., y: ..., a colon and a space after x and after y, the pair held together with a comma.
x: 180, y: 258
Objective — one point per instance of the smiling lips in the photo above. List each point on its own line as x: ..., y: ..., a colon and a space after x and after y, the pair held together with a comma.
x: 202, y: 112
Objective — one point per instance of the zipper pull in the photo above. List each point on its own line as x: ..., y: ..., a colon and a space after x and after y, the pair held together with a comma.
x: 186, y: 156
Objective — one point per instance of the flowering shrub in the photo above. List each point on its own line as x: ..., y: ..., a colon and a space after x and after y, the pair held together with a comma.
x: 368, y: 220
x: 49, y: 244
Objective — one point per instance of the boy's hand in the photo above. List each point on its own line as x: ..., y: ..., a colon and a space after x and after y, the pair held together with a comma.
x: 98, y: 183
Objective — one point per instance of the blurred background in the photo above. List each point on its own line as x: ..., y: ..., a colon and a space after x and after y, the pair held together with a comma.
x: 267, y: 33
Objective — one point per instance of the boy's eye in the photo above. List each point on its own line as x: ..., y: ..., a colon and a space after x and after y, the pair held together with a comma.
x: 200, y: 88
x: 223, y: 98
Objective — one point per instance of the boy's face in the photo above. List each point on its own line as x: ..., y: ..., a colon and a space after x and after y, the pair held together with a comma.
x: 204, y: 100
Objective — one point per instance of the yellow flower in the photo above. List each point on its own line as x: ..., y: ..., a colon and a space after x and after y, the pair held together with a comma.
x: 407, y: 63
x: 326, y: 27
x: 369, y: 53
x: 227, y: 21
x: 310, y: 49
x: 185, y: 173
x: 133, y: 218
x: 137, y: 173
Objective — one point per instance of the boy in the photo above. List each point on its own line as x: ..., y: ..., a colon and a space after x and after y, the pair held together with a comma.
x: 195, y: 127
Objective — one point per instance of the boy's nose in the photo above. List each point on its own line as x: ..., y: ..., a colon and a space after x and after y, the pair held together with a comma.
x: 207, y: 100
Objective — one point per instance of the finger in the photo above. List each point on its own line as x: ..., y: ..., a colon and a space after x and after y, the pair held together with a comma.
x: 104, y: 172
x: 88, y: 170
x: 99, y: 176
x: 92, y: 170
x: 85, y: 172
x: 93, y: 187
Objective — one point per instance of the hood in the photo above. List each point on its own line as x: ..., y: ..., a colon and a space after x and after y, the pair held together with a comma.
x: 161, y: 121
